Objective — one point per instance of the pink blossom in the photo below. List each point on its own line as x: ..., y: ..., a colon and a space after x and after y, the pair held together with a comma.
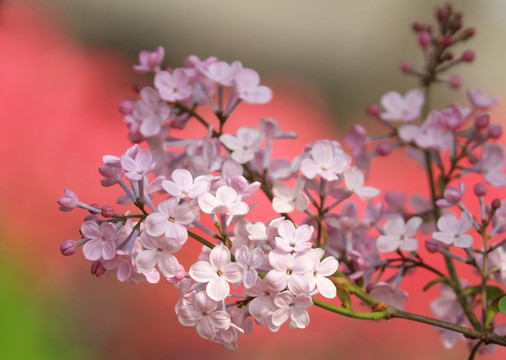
x: 384, y: 292
x: 242, y: 186
x: 399, y: 234
x: 226, y: 202
x: 173, y: 87
x: 69, y: 201
x: 432, y: 135
x: 272, y: 130
x: 151, y: 111
x: 293, y: 308
x: 202, y: 313
x: 250, y: 261
x: 221, y: 72
x: 354, y: 180
x: 319, y: 277
x: 453, y: 231
x: 217, y: 272
x: 452, y: 196
x: 358, y: 140
x: 150, y: 61
x: 263, y: 301
x: 398, y: 108
x: 248, y: 89
x: 327, y: 160
x: 171, y: 220
x: 289, y: 271
x: 139, y: 166
x: 244, y: 145
x: 479, y: 99
x: 453, y: 118
x: 491, y: 164
x: 287, y: 199
x: 158, y: 252
x: 499, y: 219
x: 124, y: 263
x: 183, y: 186
x: 292, y: 240
x: 102, y: 240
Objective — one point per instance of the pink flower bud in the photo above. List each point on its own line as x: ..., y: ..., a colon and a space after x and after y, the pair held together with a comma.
x: 383, y: 149
x: 495, y: 131
x: 473, y: 158
x: 480, y: 189
x: 107, y: 212
x: 181, y: 273
x: 481, y: 121
x: 127, y: 107
x: 496, y: 204
x: 441, y: 14
x: 68, y: 248
x: 456, y: 81
x: 406, y: 66
x: 447, y: 56
x: 444, y: 41
x: 432, y: 245
x: 69, y: 201
x: 373, y: 110
x: 468, y: 56
x: 468, y: 33
x: 456, y: 23
x: 424, y: 39
x: 97, y: 268
x: 418, y: 26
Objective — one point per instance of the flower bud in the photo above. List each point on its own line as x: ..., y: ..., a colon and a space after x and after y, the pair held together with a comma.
x: 96, y: 206
x: 97, y: 268
x: 107, y: 212
x: 68, y: 247
x: 406, y: 66
x: 441, y: 14
x: 373, y: 110
x: 456, y: 22
x: 432, y: 245
x: 181, y: 273
x: 480, y: 189
x: 383, y: 149
x: 445, y: 41
x: 69, y: 201
x: 424, y: 39
x: 468, y: 33
x: 456, y: 81
x: 447, y: 56
x: 418, y: 26
x: 127, y: 107
x: 468, y: 56
x: 481, y: 121
x: 495, y: 131
x: 496, y: 204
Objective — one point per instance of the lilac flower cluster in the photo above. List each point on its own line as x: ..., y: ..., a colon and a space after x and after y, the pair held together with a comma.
x: 201, y: 187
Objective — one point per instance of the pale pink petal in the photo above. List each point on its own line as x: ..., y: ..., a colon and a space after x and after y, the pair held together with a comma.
x: 183, y: 178
x: 412, y: 226
x: 202, y: 271
x: 299, y: 317
x: 218, y: 288
x: 168, y: 265
x: 91, y: 230
x: 92, y: 249
x: 233, y: 272
x: 124, y: 271
x: 207, y: 203
x: 156, y: 224
x: 387, y: 243
x: 464, y: 241
x: 220, y: 319
x: 231, y: 142
x: 239, y: 208
x: 326, y: 287
x: 322, y: 152
x: 205, y: 329
x: 146, y: 260
x: 280, y: 316
x: 219, y: 257
x: 328, y: 266
x: 109, y: 250
x: 447, y: 223
x: 189, y: 316
x: 409, y: 244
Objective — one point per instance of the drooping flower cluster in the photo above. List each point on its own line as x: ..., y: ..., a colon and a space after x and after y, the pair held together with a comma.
x: 189, y: 189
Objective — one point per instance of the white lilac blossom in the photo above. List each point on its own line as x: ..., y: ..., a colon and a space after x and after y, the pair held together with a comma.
x: 217, y: 273
x: 454, y: 231
x: 399, y: 108
x: 400, y: 234
x: 223, y: 191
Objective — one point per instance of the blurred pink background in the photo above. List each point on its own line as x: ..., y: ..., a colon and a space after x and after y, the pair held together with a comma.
x: 58, y: 116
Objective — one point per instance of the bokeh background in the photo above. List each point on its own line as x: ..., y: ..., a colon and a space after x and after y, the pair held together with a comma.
x: 65, y: 65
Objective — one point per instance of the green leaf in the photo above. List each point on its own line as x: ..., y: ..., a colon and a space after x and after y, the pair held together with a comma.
x: 345, y: 297
x: 502, y: 305
x: 492, y: 291
x: 493, y: 310
x: 434, y: 282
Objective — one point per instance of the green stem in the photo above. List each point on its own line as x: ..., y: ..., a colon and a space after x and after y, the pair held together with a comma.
x: 377, y: 315
x: 475, y: 350
x: 201, y: 240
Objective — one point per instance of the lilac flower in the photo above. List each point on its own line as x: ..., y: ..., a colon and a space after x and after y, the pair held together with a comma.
x: 289, y: 270
x: 499, y: 219
x: 318, y: 278
x: 202, y: 313
x: 226, y: 202
x: 453, y: 231
x: 358, y: 140
x: 453, y: 118
x: 221, y: 72
x: 244, y: 145
x: 452, y: 196
x: 171, y: 220
x: 398, y: 108
x: 102, y: 240
x: 173, y: 87
x: 293, y: 308
x: 291, y: 240
x: 69, y: 201
x: 272, y: 130
x: 326, y: 160
x: 150, y: 61
x: 479, y: 99
x: 432, y: 135
x: 139, y: 166
x: 217, y: 272
x: 491, y: 164
x: 384, y: 292
x: 354, y: 180
x: 263, y: 302
x: 248, y: 89
x: 183, y: 186
x: 242, y: 186
x: 287, y: 199
x: 151, y: 111
x: 399, y: 234
x: 158, y: 252
x: 250, y: 261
